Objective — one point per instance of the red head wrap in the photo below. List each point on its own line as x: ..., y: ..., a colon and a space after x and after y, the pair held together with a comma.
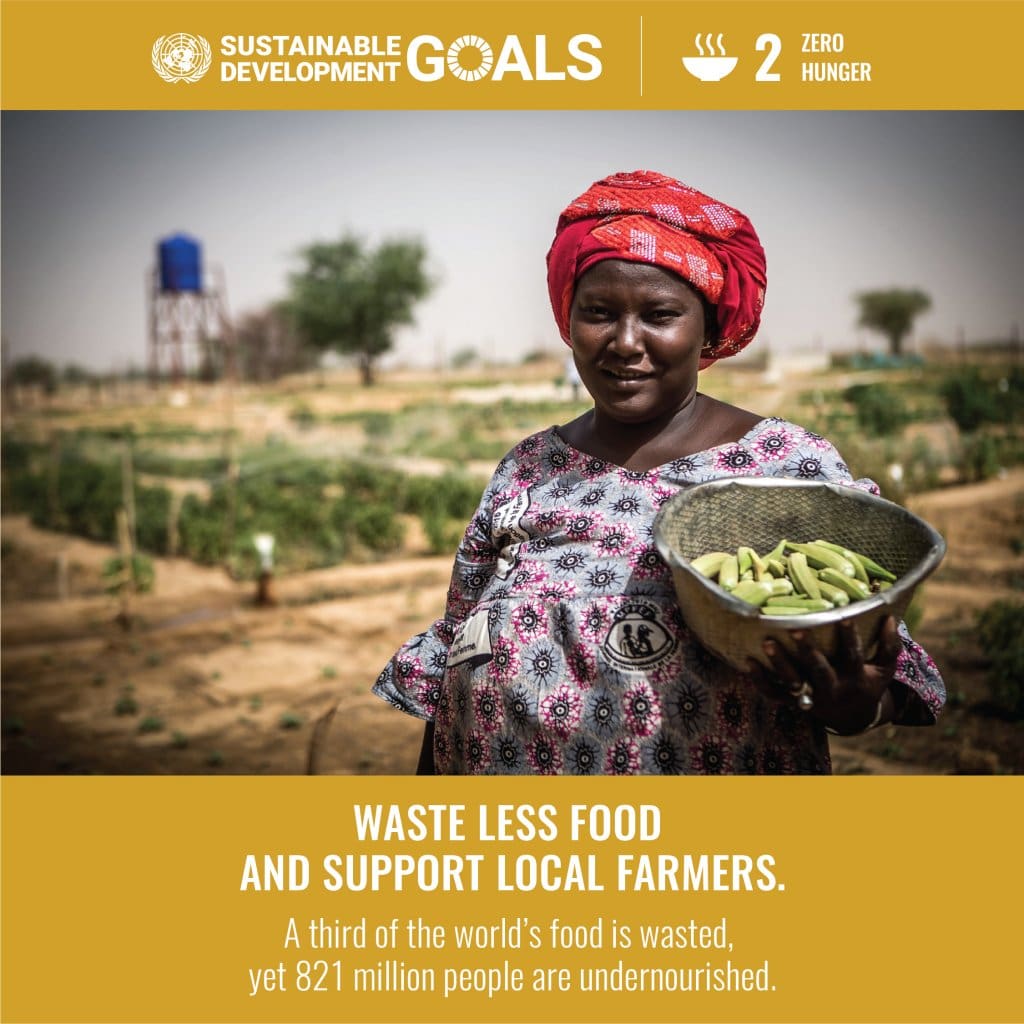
x: 650, y: 218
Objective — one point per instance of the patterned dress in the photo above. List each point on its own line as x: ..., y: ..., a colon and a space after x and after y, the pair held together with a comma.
x: 562, y: 650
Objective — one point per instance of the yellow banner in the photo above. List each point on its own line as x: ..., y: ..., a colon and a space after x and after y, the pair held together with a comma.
x: 504, y: 55
x: 398, y: 899
x: 334, y: 899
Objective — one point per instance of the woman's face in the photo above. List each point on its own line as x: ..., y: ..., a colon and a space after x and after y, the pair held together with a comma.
x: 636, y: 333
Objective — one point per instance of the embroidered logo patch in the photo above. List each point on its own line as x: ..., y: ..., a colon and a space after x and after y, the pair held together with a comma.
x: 638, y: 637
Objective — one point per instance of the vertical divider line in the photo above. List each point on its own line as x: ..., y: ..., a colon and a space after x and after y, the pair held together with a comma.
x: 641, y: 56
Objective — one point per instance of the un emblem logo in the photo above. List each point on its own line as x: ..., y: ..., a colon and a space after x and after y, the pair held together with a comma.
x: 181, y: 57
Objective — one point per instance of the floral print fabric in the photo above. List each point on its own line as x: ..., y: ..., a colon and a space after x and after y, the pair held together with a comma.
x: 563, y: 651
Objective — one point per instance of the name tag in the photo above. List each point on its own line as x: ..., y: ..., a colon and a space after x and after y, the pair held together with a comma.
x: 472, y: 641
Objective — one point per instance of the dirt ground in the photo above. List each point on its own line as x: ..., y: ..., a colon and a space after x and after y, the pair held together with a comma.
x: 204, y: 681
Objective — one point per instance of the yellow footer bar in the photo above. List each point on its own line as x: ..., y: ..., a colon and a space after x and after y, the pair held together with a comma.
x: 388, y: 899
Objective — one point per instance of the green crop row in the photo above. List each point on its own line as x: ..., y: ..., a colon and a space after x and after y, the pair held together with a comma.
x: 320, y: 512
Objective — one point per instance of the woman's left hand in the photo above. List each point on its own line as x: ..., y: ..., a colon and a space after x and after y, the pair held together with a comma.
x: 848, y: 694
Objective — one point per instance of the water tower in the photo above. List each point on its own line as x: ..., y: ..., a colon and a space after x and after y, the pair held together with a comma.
x: 189, y: 326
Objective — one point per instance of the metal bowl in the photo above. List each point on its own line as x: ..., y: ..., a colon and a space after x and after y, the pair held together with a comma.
x: 724, y: 514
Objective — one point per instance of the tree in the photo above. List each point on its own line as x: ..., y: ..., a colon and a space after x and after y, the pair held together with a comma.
x: 891, y: 312
x: 77, y: 375
x: 350, y: 298
x: 33, y: 372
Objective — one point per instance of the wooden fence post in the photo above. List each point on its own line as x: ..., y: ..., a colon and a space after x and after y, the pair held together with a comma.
x: 126, y: 584
x: 128, y: 489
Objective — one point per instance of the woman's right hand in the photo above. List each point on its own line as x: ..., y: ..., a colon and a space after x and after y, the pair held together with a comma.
x: 845, y: 692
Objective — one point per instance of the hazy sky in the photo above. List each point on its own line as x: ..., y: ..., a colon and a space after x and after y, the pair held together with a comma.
x: 842, y: 202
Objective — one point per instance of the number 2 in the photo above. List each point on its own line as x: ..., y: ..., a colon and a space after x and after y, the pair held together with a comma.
x: 771, y: 42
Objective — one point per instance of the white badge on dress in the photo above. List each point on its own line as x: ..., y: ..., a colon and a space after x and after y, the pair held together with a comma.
x: 472, y: 641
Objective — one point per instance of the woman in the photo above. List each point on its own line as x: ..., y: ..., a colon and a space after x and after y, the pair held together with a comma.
x: 562, y: 649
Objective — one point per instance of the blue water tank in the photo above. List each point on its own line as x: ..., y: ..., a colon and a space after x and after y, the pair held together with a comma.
x: 180, y: 264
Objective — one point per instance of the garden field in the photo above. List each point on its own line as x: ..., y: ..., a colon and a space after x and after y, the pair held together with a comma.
x: 133, y: 640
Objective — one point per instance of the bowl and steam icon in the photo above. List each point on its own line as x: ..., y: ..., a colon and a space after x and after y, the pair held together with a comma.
x: 709, y: 67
